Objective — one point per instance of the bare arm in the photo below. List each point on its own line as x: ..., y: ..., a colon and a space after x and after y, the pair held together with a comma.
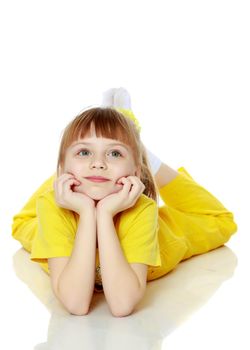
x: 74, y: 286
x: 76, y: 282
x: 121, y: 285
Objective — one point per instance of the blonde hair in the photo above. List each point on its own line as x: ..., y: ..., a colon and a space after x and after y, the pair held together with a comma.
x: 110, y: 123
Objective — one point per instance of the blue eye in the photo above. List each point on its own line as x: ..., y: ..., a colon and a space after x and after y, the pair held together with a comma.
x: 83, y: 150
x: 116, y: 153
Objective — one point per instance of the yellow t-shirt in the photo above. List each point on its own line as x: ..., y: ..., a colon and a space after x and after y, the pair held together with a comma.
x: 191, y: 221
x: 136, y: 227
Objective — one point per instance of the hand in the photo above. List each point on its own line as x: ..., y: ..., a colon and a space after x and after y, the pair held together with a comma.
x: 123, y: 199
x: 67, y: 198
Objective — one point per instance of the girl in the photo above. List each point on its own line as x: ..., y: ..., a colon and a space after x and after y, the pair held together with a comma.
x: 95, y: 225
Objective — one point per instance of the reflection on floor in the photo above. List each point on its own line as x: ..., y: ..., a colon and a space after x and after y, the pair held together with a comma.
x: 169, y: 302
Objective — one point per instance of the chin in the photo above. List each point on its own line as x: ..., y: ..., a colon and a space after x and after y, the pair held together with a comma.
x: 92, y: 195
x: 96, y: 196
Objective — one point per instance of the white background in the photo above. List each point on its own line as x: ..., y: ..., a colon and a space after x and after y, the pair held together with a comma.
x: 186, y: 66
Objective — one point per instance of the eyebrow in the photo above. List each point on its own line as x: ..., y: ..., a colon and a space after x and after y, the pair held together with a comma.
x: 109, y: 144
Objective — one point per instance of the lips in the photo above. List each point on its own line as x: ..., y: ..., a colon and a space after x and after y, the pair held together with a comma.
x: 97, y: 179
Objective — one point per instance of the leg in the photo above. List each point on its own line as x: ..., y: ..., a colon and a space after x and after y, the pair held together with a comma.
x: 164, y: 175
x: 194, y: 214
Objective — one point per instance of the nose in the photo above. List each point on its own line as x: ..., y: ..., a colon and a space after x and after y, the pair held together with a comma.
x: 98, y: 163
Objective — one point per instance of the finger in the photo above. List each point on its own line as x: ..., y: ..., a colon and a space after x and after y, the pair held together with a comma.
x: 68, y: 184
x: 137, y: 180
x: 61, y: 190
x: 125, y: 181
x: 121, y: 180
x: 126, y: 185
x: 66, y: 191
x: 66, y: 176
x: 62, y: 179
x: 137, y: 187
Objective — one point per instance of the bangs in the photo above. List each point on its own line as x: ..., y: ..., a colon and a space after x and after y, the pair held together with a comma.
x: 104, y: 122
x: 109, y: 123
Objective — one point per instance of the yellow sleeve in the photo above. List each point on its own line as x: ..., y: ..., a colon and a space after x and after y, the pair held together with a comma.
x: 140, y: 241
x: 56, y: 232
x: 28, y: 212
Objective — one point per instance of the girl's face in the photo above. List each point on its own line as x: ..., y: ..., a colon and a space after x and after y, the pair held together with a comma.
x: 97, y: 156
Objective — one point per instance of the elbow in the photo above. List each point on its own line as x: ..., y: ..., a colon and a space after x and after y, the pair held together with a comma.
x: 73, y: 308
x: 78, y: 312
x: 121, y: 312
x: 116, y: 312
x: 71, y: 305
x: 125, y: 309
x: 122, y: 308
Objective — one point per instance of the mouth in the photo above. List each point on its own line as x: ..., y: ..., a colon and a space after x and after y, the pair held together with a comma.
x: 97, y: 179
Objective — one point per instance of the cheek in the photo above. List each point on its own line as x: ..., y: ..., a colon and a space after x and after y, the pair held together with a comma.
x: 74, y: 168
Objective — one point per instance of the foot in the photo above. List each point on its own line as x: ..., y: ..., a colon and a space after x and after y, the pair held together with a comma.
x: 116, y: 97
x: 107, y: 97
x: 122, y: 99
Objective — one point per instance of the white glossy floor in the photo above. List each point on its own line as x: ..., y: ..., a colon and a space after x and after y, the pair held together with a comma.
x: 201, y: 304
